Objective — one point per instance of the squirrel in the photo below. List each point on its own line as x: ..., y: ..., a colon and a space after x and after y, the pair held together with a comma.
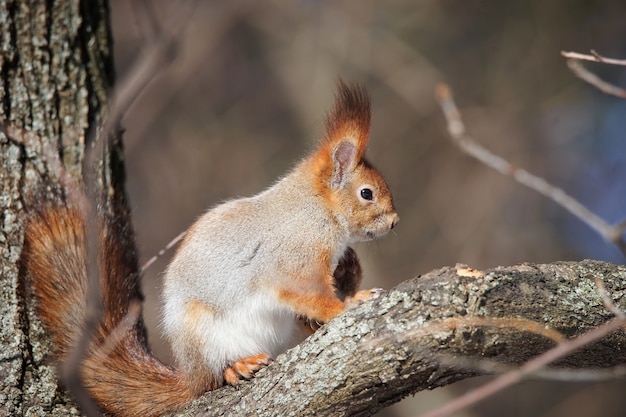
x: 246, y: 282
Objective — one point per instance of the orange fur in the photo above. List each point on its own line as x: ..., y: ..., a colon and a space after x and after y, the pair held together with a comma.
x: 54, y: 264
x: 53, y: 257
x: 349, y: 118
x: 245, y: 368
x: 196, y: 309
x: 313, y: 295
x: 320, y: 307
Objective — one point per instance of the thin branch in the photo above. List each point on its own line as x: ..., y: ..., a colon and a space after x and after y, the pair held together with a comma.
x: 167, y: 247
x: 146, y: 20
x: 121, y: 330
x: 584, y: 74
x: 563, y: 349
x: 506, y: 380
x: 574, y: 64
x: 486, y: 367
x: 593, y: 57
x: 153, y: 59
x: 456, y: 129
x: 581, y: 375
x: 69, y: 371
x: 607, y: 301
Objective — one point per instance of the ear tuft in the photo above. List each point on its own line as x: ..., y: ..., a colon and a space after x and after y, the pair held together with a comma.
x: 349, y: 118
x: 344, y: 161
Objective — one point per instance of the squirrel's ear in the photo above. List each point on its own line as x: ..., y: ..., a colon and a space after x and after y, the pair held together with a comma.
x: 349, y: 120
x: 344, y: 161
x: 345, y: 139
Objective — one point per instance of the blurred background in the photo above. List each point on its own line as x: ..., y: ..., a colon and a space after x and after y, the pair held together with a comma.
x: 251, y: 84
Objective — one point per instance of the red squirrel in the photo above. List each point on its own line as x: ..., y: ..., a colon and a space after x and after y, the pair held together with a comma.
x: 235, y: 293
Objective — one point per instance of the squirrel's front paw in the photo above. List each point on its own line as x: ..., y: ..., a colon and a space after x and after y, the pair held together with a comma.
x: 362, y: 296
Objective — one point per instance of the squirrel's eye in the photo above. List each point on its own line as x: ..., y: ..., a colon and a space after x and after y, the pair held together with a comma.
x: 367, y: 194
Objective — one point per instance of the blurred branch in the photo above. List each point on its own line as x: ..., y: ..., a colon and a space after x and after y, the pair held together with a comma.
x: 161, y: 50
x: 153, y: 59
x: 162, y: 252
x: 574, y: 64
x: 228, y: 16
x: 593, y: 57
x: 607, y: 301
x: 514, y: 376
x: 487, y: 367
x: 584, y: 74
x: 146, y: 20
x: 457, y: 131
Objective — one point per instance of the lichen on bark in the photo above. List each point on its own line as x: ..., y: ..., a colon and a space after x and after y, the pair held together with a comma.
x: 56, y: 72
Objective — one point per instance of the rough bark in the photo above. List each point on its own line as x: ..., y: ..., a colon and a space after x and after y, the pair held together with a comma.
x: 56, y: 72
x: 385, y: 350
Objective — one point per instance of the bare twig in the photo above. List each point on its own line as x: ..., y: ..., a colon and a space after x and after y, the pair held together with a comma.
x: 486, y: 366
x: 456, y: 129
x: 153, y: 59
x: 574, y: 64
x: 121, y: 330
x: 581, y: 375
x: 534, y: 366
x: 593, y: 57
x: 506, y: 380
x: 607, y: 301
x: 167, y: 247
x: 584, y: 74
x: 146, y: 20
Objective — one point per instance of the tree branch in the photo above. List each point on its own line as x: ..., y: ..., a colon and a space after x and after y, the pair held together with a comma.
x: 593, y: 57
x: 584, y: 74
x: 386, y: 349
x: 456, y: 129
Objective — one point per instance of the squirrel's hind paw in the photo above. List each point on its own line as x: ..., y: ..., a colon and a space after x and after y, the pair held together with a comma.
x: 245, y: 368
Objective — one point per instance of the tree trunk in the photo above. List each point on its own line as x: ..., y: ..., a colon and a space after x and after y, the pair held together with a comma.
x: 57, y: 71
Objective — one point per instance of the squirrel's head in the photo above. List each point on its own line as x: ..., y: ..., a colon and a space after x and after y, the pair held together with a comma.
x: 353, y: 189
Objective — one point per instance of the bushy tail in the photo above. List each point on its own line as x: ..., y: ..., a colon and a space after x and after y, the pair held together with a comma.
x: 119, y: 370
